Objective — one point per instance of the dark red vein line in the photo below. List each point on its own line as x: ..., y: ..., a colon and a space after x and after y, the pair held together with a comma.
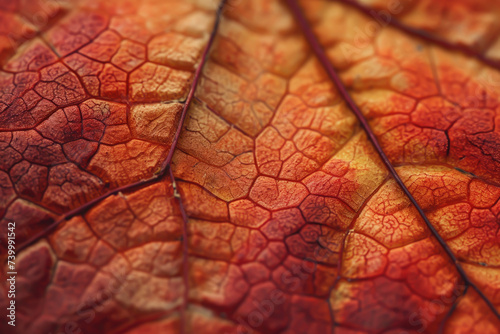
x: 423, y: 34
x: 165, y: 164
x: 185, y: 259
x: 83, y: 207
x: 196, y: 79
x: 320, y: 53
x: 450, y: 311
x: 168, y: 160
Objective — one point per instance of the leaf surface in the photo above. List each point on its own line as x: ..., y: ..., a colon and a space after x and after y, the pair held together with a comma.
x: 269, y: 167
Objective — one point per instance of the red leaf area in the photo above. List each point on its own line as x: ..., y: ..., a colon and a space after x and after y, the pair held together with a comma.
x: 263, y: 166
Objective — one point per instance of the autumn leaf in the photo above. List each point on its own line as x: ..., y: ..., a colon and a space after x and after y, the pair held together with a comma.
x: 253, y: 166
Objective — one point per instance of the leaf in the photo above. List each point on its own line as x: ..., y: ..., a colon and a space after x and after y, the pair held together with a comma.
x: 261, y: 167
